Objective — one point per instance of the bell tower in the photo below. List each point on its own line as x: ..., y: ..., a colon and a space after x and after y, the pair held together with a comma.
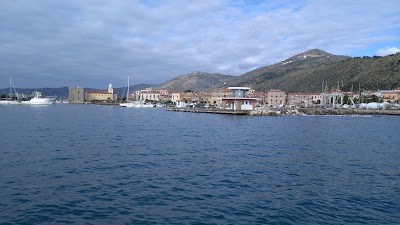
x: 110, y: 89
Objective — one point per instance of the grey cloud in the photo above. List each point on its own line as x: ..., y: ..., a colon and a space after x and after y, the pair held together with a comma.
x: 92, y: 43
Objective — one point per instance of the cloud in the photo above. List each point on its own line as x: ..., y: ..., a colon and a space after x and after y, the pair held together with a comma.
x: 387, y: 51
x: 93, y: 43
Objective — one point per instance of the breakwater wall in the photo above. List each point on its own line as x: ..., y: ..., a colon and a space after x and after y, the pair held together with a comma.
x: 319, y: 111
x: 209, y: 110
x: 350, y: 112
x: 289, y: 111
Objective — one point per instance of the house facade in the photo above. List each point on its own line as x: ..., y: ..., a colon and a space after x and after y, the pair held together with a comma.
x: 96, y: 95
x: 276, y: 98
x: 238, y: 100
x: 390, y: 96
x: 303, y: 99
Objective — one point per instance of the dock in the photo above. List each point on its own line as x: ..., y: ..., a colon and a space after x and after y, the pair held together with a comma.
x: 209, y: 110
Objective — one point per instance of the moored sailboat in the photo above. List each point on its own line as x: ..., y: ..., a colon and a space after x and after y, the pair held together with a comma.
x: 9, y: 100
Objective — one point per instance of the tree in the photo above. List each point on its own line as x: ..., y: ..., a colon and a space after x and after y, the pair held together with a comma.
x: 345, y: 99
x: 375, y: 98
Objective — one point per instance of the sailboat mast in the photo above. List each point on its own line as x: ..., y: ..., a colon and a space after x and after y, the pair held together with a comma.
x: 127, y: 93
x: 10, y: 88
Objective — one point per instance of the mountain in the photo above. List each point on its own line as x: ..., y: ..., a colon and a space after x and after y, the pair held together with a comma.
x: 306, y: 71
x: 197, y: 81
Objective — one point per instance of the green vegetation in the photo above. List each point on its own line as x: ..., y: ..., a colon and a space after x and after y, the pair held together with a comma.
x: 299, y: 74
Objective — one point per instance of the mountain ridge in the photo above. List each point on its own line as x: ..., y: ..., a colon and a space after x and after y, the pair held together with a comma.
x: 306, y: 71
x: 303, y: 72
x: 195, y: 81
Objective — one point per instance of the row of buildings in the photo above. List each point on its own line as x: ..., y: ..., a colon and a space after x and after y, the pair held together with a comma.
x: 272, y: 98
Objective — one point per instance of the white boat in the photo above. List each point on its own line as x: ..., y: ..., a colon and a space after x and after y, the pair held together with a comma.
x: 145, y: 105
x: 39, y: 100
x: 8, y: 102
x: 127, y: 104
x: 137, y: 104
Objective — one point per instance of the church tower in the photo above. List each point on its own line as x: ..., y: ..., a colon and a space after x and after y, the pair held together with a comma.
x: 110, y: 89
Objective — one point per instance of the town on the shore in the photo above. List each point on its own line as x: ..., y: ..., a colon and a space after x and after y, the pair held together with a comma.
x: 244, y: 99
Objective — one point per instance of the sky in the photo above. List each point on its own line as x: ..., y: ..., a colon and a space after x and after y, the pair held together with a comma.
x: 93, y: 43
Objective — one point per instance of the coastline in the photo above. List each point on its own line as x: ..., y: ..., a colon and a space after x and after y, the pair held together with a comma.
x: 288, y: 111
x: 311, y: 111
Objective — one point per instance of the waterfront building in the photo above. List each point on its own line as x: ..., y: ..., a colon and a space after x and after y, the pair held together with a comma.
x: 238, y: 100
x: 303, y: 99
x: 150, y: 96
x: 262, y: 96
x: 276, y: 98
x: 205, y: 98
x: 187, y: 97
x: 76, y: 95
x: 153, y: 95
x: 176, y: 96
x: 190, y: 97
x: 390, y: 96
x: 165, y: 98
x: 97, y: 95
x: 217, y: 95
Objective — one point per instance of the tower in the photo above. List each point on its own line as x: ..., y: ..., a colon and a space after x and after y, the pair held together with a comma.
x: 110, y: 89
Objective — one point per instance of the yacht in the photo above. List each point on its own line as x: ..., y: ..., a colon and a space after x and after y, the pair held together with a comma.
x: 39, y: 100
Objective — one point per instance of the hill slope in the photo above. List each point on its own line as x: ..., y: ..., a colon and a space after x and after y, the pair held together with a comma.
x: 197, y: 81
x: 305, y: 72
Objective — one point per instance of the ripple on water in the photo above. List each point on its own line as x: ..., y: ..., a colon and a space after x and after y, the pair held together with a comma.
x: 111, y: 165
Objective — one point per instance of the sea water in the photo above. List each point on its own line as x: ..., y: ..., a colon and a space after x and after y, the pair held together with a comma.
x: 90, y: 164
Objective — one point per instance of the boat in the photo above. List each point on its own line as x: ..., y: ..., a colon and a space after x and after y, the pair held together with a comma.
x: 9, y: 100
x: 144, y: 105
x: 39, y: 100
x: 135, y: 104
x: 127, y: 103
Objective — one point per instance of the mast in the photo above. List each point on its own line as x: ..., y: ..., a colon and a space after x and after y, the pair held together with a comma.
x: 127, y: 93
x: 10, y: 89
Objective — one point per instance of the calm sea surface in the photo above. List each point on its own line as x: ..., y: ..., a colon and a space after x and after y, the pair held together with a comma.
x: 88, y: 164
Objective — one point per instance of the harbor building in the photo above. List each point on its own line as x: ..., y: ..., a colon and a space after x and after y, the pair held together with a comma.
x: 153, y: 95
x: 238, y: 99
x: 276, y: 98
x: 76, y: 95
x: 390, y: 96
x: 96, y: 95
x: 217, y: 95
x: 303, y: 99
x: 150, y: 95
